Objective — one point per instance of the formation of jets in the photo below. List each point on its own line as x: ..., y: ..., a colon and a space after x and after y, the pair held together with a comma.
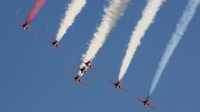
x: 117, y: 84
x: 83, y: 69
x: 26, y: 27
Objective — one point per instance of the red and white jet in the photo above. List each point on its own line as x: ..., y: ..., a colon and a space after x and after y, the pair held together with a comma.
x: 55, y: 44
x: 25, y: 26
x: 88, y: 64
x: 146, y: 102
x: 83, y: 70
x: 77, y: 78
x: 117, y: 85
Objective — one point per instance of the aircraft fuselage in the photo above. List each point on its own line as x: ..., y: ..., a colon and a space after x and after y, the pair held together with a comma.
x: 77, y: 79
x: 117, y: 85
x: 88, y: 64
x: 146, y: 103
x: 83, y: 70
x: 55, y: 43
x: 25, y: 26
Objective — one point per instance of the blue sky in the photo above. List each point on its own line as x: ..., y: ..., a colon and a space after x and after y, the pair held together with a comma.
x: 33, y: 77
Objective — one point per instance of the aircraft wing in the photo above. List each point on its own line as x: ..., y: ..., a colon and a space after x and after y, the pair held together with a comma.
x: 124, y: 89
x: 61, y: 48
x: 95, y: 69
x: 153, y: 106
x: 70, y: 74
x: 110, y: 80
x: 84, y: 83
x: 75, y: 65
x: 18, y: 21
x: 48, y: 39
x: 80, y: 59
x: 31, y: 31
x: 89, y: 74
x: 138, y: 98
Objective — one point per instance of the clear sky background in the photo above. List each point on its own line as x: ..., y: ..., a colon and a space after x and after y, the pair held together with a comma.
x: 32, y: 72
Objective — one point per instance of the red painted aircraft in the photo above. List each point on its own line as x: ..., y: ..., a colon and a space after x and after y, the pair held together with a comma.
x: 25, y: 26
x: 83, y: 70
x: 117, y: 85
x: 146, y: 102
x: 77, y: 78
x: 55, y: 44
x: 88, y: 64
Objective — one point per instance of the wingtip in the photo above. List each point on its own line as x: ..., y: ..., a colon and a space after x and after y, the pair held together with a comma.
x: 14, y: 17
x: 44, y: 36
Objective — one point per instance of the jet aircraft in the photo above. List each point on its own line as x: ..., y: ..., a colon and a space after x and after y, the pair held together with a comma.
x: 146, y: 102
x: 55, y: 44
x: 88, y: 64
x: 77, y: 78
x: 117, y: 85
x: 25, y: 26
x: 83, y: 70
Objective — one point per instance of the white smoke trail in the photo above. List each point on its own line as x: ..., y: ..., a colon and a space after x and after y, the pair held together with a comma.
x: 73, y: 9
x: 112, y: 14
x: 147, y: 18
x: 180, y: 29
